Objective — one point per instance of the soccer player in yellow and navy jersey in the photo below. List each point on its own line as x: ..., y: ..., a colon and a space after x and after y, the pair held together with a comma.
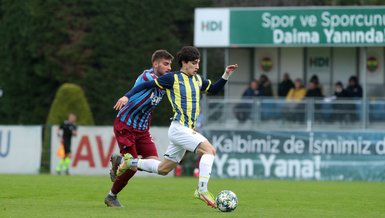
x: 183, y: 90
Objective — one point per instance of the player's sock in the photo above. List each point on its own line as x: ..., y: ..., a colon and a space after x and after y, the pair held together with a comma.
x: 60, y: 166
x: 134, y: 162
x: 148, y: 165
x: 205, y: 166
x: 66, y: 164
x: 121, y: 181
x: 112, y: 194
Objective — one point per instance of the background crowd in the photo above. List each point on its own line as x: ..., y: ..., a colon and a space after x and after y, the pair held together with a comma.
x: 334, y: 107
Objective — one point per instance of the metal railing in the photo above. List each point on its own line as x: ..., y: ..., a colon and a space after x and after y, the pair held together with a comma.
x: 308, y: 114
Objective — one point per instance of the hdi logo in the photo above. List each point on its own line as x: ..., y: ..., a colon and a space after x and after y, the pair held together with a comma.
x: 319, y: 62
x: 211, y: 26
x: 5, y: 143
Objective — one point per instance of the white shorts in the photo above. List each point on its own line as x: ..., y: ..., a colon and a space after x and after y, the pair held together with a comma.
x: 181, y: 138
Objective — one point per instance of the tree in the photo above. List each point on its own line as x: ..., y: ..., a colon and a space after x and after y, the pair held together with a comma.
x: 70, y: 98
x: 100, y: 45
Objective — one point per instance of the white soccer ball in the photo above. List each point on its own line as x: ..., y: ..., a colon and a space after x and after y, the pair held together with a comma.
x: 226, y: 201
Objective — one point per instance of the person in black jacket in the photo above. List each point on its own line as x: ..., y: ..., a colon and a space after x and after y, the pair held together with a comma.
x: 354, y: 88
x: 355, y: 92
x: 341, y: 109
x: 265, y: 86
x: 285, y: 85
x: 314, y: 90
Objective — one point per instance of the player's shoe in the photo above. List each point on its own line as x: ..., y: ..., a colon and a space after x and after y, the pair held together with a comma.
x: 67, y: 172
x: 125, y: 165
x: 112, y: 201
x: 115, y: 161
x: 206, y: 197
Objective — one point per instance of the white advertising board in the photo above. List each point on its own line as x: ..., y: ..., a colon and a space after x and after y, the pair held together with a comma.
x: 211, y: 28
x: 93, y: 146
x: 20, y: 149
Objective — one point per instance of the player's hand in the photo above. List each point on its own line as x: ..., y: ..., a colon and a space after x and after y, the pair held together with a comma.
x: 230, y: 69
x: 120, y: 103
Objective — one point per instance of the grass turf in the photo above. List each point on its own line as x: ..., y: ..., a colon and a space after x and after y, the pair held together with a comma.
x: 82, y: 196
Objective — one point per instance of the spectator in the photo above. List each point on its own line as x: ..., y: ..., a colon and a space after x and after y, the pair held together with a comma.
x: 265, y: 86
x: 294, y: 108
x: 354, y: 88
x: 355, y: 91
x: 252, y: 90
x: 314, y: 78
x: 285, y: 85
x: 242, y: 110
x: 341, y: 110
x: 297, y: 93
x: 314, y: 90
x: 266, y: 108
x: 340, y: 92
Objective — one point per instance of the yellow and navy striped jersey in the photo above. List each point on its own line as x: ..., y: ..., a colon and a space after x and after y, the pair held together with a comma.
x: 184, y: 93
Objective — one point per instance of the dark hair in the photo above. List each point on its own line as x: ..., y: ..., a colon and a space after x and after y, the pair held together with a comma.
x: 314, y: 79
x: 161, y: 54
x: 354, y: 79
x: 186, y: 54
x: 339, y: 83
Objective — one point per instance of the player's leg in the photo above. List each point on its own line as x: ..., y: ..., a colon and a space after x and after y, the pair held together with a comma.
x: 67, y: 158
x: 191, y: 140
x: 195, y: 142
x: 205, y: 165
x: 152, y: 165
x: 115, y: 161
x: 59, y: 166
x: 173, y: 156
x: 126, y: 142
x: 207, y: 152
x: 120, y: 182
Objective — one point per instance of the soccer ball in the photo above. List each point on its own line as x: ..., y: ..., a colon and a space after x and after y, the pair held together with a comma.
x: 226, y: 201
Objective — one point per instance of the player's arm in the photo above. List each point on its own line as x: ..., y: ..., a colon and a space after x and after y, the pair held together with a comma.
x: 75, y: 131
x: 123, y: 100
x: 59, y: 131
x: 219, y: 84
x: 163, y: 82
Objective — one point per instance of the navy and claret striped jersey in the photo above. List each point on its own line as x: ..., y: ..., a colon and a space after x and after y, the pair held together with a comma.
x: 184, y: 94
x: 137, y: 113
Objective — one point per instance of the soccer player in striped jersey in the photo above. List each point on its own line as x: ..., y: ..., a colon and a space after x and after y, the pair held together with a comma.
x: 184, y: 90
x: 131, y: 126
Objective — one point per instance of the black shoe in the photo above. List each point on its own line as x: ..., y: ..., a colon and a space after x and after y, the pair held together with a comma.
x: 112, y: 201
x: 115, y: 162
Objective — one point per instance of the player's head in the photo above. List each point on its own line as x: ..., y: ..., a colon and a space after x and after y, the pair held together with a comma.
x: 72, y: 117
x: 188, y: 59
x: 161, y: 62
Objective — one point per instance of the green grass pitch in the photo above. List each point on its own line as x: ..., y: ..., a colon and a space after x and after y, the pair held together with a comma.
x: 82, y: 196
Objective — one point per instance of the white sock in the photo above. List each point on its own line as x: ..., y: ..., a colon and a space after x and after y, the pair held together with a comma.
x: 205, y: 166
x: 148, y: 165
x: 112, y: 194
